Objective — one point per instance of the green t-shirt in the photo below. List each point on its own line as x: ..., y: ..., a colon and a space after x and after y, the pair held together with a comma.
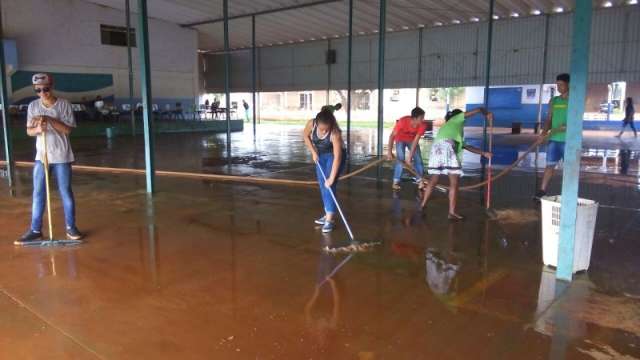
x: 559, y: 110
x: 454, y: 130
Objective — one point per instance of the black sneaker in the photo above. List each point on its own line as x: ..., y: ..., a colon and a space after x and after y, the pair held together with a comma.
x: 29, y: 237
x: 74, y: 234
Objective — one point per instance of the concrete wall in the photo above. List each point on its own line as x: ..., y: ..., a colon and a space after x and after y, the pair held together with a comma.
x: 452, y: 56
x: 63, y: 36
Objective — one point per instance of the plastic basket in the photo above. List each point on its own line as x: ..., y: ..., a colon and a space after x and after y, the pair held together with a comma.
x: 111, y: 132
x: 585, y: 228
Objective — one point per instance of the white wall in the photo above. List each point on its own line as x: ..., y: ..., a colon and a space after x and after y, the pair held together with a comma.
x: 452, y: 56
x: 64, y: 36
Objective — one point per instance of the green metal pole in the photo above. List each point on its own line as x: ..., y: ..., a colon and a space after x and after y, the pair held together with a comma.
x: 545, y: 51
x: 328, y: 101
x: 381, y: 38
x: 4, y: 99
x: 147, y: 106
x: 132, y: 110
x: 227, y: 64
x: 573, y: 146
x: 349, y: 79
x: 419, y: 85
x: 487, y: 82
x: 538, y: 127
x: 253, y: 72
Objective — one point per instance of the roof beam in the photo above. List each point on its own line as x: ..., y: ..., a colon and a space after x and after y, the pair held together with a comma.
x: 263, y: 12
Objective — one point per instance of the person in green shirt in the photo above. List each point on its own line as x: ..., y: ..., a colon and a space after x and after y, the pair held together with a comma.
x: 556, y: 123
x: 446, y: 155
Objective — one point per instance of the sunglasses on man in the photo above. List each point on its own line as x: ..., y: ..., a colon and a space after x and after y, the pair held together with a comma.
x: 42, y: 90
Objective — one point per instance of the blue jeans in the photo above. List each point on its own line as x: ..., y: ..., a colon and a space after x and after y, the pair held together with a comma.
x: 326, y: 163
x: 62, y: 173
x: 555, y: 152
x: 400, y: 156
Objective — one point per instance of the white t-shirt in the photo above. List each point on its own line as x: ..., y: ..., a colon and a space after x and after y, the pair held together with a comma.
x: 58, y: 145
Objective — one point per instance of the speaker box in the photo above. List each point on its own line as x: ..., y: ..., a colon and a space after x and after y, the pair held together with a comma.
x: 331, y: 56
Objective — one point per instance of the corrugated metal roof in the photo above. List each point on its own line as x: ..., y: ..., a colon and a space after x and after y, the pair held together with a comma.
x: 329, y: 20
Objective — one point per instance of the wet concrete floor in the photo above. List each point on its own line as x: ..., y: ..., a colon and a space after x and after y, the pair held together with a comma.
x: 211, y: 270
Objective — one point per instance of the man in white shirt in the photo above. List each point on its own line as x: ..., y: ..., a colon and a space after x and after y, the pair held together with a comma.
x: 51, y: 117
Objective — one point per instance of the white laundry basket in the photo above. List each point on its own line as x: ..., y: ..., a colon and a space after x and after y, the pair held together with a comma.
x: 585, y: 227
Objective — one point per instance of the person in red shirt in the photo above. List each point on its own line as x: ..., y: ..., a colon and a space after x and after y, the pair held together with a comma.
x: 406, y: 135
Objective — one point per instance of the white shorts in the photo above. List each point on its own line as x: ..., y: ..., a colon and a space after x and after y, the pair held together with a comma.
x: 443, y: 159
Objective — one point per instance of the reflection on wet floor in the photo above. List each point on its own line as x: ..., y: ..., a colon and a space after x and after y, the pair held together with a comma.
x: 233, y: 271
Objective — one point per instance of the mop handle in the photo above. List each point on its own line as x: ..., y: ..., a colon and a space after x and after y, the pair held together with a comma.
x: 333, y: 196
x: 489, y: 187
x: 335, y: 270
x: 488, y: 203
x: 45, y: 159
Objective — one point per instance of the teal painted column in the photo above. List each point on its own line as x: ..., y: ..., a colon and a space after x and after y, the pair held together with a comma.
x: 4, y: 99
x: 419, y: 83
x: 382, y: 28
x: 147, y: 106
x: 349, y: 80
x: 253, y: 73
x: 487, y: 86
x: 132, y: 110
x: 573, y: 147
x: 227, y: 76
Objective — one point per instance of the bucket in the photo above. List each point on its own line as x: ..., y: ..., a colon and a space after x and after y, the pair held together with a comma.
x: 585, y: 228
x: 110, y: 132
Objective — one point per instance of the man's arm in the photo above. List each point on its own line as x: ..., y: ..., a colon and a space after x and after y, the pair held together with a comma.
x: 475, y: 150
x: 34, y: 122
x: 66, y: 121
x: 307, y: 140
x: 35, y: 126
x: 475, y: 111
x: 392, y: 140
x: 57, y: 124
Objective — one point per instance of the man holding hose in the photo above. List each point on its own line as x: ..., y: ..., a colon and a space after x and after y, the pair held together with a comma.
x: 556, y: 123
x: 51, y: 117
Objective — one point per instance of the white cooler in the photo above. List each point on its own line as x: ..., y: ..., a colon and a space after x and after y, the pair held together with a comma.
x: 585, y: 228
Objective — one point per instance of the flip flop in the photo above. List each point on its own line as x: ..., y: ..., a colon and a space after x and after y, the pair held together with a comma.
x: 455, y: 217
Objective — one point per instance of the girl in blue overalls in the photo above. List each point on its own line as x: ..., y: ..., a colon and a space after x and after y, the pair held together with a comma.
x: 323, y: 138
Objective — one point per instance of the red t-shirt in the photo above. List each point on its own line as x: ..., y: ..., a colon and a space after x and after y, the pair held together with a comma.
x: 405, y: 132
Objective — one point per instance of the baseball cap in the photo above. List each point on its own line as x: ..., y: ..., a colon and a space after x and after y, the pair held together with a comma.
x: 42, y: 79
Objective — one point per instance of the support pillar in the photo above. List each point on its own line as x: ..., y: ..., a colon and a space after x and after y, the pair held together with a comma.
x: 147, y: 106
x: 5, y: 101
x: 487, y: 82
x: 419, y: 84
x: 253, y: 73
x: 545, y: 52
x: 349, y: 80
x: 573, y: 146
x: 381, y: 39
x: 132, y: 110
x: 227, y: 66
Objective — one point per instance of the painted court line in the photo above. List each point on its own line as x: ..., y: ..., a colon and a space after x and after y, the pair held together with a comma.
x: 43, y: 319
